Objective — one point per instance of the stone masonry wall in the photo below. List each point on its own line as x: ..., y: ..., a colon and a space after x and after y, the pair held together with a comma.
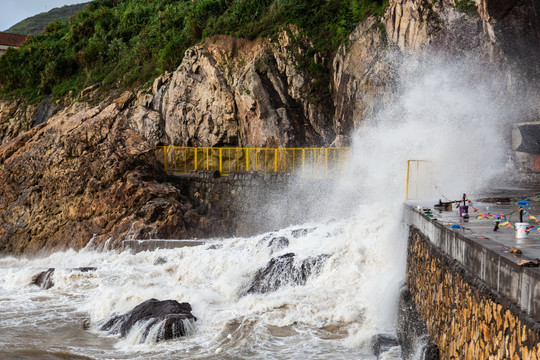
x: 465, y: 318
x: 250, y: 203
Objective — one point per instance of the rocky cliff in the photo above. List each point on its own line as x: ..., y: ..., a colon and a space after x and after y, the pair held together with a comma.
x: 85, y: 174
x: 72, y: 171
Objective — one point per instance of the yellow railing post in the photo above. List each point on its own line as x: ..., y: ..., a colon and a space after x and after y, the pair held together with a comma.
x: 303, y: 160
x: 229, y: 160
x: 326, y: 163
x: 220, y: 161
x: 256, y: 159
x: 314, y: 159
x: 165, y: 159
x: 175, y: 159
x: 185, y: 159
x: 407, y: 182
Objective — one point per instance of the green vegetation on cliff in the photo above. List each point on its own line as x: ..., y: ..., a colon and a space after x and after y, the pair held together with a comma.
x: 128, y: 42
x: 37, y: 23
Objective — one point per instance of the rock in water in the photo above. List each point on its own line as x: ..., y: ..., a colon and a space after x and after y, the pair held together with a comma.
x: 383, y: 343
x: 172, y: 318
x: 282, y: 271
x: 278, y: 243
x: 44, y: 279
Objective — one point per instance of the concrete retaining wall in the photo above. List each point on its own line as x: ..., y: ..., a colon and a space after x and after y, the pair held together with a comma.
x: 476, y: 302
x: 150, y: 245
x: 253, y: 202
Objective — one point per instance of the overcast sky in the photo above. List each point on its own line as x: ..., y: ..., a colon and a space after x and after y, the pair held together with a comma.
x: 13, y: 11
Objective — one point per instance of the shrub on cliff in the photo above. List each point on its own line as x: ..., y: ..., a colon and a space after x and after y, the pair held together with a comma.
x: 128, y: 42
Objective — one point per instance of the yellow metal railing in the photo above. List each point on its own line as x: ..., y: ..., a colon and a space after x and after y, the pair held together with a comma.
x: 310, y: 162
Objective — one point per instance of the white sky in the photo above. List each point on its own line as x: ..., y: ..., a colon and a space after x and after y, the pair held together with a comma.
x: 13, y: 11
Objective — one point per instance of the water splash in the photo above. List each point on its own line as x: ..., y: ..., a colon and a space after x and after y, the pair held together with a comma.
x: 445, y: 111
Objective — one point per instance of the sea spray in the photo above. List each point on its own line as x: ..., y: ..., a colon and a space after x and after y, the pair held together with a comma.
x: 444, y: 112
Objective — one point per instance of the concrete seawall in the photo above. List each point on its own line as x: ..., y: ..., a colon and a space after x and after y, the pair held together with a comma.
x: 475, y: 301
x: 253, y: 202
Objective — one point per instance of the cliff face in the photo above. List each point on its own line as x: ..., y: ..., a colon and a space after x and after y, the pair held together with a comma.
x: 84, y: 174
x: 236, y: 92
x: 67, y: 175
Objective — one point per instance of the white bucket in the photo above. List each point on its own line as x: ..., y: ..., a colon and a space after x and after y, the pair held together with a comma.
x: 520, y: 230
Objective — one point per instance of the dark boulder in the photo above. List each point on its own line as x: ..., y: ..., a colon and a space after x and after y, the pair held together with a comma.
x: 412, y: 331
x: 278, y: 243
x: 214, y: 247
x: 301, y: 232
x: 173, y: 318
x: 383, y: 342
x: 44, y: 278
x: 282, y: 271
x: 160, y: 260
x: 85, y: 269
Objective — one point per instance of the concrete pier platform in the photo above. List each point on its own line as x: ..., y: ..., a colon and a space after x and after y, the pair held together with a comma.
x: 484, y: 228
x: 475, y: 297
x: 484, y: 253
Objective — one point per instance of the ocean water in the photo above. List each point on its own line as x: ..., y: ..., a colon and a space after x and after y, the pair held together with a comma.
x: 334, y: 315
x: 445, y: 111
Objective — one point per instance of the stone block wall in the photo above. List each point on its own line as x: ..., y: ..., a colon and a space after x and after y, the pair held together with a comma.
x: 465, y: 318
x: 253, y: 203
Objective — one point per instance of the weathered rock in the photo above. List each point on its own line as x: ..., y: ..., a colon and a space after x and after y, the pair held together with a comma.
x: 412, y: 331
x: 383, y: 343
x: 504, y: 36
x: 198, y: 106
x: 17, y: 116
x: 44, y: 279
x: 230, y: 91
x: 160, y: 260
x: 361, y: 74
x: 301, y: 232
x: 174, y: 320
x: 282, y: 271
x: 278, y: 243
x: 83, y: 173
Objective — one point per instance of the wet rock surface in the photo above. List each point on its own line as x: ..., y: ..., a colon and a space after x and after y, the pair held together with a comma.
x: 278, y: 243
x: 172, y: 318
x: 285, y: 270
x: 301, y: 232
x: 382, y: 343
x: 44, y: 279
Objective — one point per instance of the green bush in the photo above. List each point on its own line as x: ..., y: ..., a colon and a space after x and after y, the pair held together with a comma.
x: 129, y: 42
x: 466, y: 6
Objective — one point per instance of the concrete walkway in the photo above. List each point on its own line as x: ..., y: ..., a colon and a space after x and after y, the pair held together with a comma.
x: 484, y: 227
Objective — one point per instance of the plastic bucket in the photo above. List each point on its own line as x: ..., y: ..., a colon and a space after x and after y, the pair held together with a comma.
x: 520, y: 230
